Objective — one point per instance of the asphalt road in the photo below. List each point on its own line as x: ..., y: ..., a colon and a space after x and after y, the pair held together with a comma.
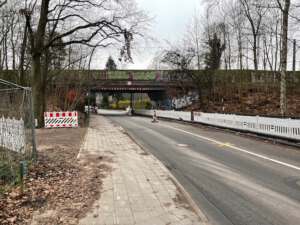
x: 233, y: 179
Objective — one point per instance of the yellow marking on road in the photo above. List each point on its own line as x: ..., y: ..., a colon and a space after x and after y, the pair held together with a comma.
x: 225, y: 145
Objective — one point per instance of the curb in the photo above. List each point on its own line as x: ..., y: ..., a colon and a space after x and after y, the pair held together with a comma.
x: 189, y: 199
x: 82, y: 144
x: 186, y: 195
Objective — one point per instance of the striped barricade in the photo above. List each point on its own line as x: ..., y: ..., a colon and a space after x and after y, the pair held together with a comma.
x: 61, y: 119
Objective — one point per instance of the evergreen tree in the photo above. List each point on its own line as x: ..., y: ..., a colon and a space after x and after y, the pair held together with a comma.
x: 110, y: 64
x: 214, y: 54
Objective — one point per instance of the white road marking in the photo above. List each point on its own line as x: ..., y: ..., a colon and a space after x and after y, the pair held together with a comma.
x: 182, y: 145
x: 234, y: 147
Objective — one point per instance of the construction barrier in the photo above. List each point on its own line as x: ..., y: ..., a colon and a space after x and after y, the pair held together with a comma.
x: 61, y: 119
x: 278, y: 127
x: 12, y: 134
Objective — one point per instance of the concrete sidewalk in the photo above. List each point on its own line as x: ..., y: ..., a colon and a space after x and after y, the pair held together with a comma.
x: 139, y: 189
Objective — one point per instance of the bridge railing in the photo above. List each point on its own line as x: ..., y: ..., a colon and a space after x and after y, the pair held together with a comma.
x: 277, y: 127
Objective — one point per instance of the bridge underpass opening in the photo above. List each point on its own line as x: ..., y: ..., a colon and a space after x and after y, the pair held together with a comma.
x: 161, y: 94
x: 135, y: 98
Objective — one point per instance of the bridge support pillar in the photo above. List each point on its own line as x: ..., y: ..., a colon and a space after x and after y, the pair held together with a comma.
x: 158, y: 97
x: 131, y: 100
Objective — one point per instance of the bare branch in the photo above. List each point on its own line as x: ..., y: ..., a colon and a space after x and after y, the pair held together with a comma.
x: 2, y: 3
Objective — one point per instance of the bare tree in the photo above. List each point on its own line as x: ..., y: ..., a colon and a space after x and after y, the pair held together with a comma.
x: 193, y: 37
x: 9, y: 31
x: 2, y: 3
x: 179, y: 59
x: 236, y: 21
x: 117, y: 23
x: 254, y: 12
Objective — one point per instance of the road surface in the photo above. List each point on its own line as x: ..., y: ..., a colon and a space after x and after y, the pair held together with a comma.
x: 233, y: 179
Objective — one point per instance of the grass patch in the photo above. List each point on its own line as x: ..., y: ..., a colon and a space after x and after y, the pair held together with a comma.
x: 7, y: 173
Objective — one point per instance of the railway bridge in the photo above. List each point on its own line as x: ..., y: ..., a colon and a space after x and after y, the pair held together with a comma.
x: 156, y: 84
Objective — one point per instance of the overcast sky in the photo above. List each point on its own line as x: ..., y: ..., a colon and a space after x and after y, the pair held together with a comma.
x: 171, y: 18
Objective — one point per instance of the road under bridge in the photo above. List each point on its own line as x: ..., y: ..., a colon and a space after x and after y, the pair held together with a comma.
x: 157, y: 90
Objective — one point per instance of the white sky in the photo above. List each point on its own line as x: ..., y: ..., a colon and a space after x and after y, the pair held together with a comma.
x: 171, y: 18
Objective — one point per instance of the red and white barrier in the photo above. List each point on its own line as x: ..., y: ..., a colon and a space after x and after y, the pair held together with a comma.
x: 60, y: 119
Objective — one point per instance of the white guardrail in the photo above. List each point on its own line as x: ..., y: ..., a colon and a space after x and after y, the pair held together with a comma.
x: 113, y: 112
x: 284, y: 128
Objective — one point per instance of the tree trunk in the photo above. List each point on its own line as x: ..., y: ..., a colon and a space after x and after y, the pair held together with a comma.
x: 37, y: 89
x: 229, y: 52
x: 283, y: 57
x: 37, y: 44
x: 265, y: 53
x: 22, y: 58
x: 5, y: 51
x: 276, y: 46
x: 240, y: 50
x: 247, y: 56
x: 13, y: 47
x: 254, y: 49
x: 45, y: 70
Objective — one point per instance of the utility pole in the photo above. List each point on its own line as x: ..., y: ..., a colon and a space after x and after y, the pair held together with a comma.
x: 294, y: 55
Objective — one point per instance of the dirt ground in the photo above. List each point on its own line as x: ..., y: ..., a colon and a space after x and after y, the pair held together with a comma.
x: 253, y: 104
x: 59, y: 189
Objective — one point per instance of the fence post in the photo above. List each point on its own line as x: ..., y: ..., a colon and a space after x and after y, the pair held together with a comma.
x: 34, y: 150
x: 192, y: 115
x: 257, y: 122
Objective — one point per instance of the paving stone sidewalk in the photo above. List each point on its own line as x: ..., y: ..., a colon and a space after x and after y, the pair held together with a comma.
x: 139, y: 189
